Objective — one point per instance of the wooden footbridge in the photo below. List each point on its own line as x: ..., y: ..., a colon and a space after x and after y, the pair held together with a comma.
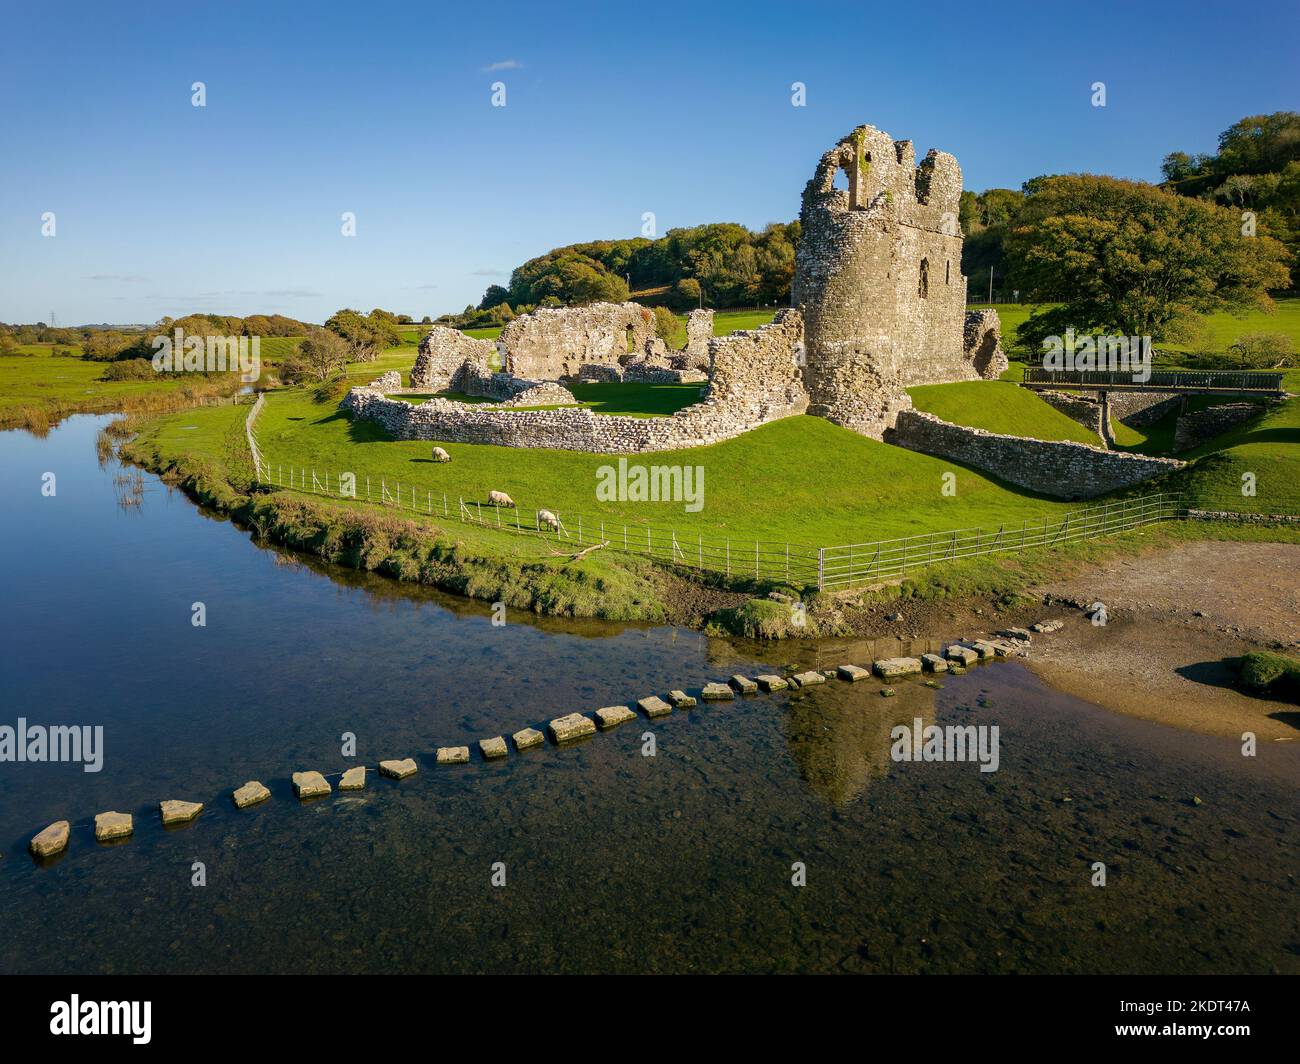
x: 1176, y: 381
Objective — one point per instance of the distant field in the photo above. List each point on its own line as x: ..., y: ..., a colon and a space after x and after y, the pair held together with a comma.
x: 999, y: 406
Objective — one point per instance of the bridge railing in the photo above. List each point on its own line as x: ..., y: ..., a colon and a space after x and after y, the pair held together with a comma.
x: 1162, y: 380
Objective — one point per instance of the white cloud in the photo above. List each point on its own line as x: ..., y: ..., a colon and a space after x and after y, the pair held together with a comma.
x: 503, y: 64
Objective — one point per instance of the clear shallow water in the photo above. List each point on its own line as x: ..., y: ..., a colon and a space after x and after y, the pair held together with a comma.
x: 614, y: 861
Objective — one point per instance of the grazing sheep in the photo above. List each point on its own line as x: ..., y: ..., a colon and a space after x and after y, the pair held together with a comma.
x: 545, y: 517
x: 439, y: 455
x: 500, y: 498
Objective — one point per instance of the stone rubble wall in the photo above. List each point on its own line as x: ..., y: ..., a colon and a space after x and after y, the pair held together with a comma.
x: 699, y: 332
x: 982, y: 344
x: 1196, y: 426
x: 756, y: 379
x: 1064, y: 470
x: 552, y: 343
x: 1137, y: 409
x: 443, y: 357
x: 1087, y: 412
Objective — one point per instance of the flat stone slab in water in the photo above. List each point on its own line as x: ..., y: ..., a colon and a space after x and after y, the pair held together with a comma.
x: 493, y: 748
x: 174, y: 811
x: 354, y: 779
x: 1052, y: 625
x: 1009, y: 648
x: 571, y: 726
x: 852, y: 673
x: 805, y: 679
x: 965, y: 655
x: 983, y: 648
x: 51, y: 840
x: 612, y: 716
x: 250, y: 793
x: 527, y: 738
x: 453, y: 755
x: 771, y: 683
x: 653, y: 706
x: 310, y: 785
x: 681, y: 700
x: 398, y: 770
x: 893, y: 668
x: 933, y: 663
x: 717, y: 692
x: 109, y: 826
x: 744, y: 684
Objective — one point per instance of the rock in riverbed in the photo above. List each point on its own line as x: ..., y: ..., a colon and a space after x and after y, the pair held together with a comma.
x: 744, y: 684
x: 653, y: 706
x: 964, y: 655
x: 933, y: 663
x: 771, y: 683
x: 354, y: 779
x: 717, y: 692
x: 611, y: 716
x: 250, y: 793
x: 51, y: 840
x: 570, y: 727
x: 398, y: 770
x: 527, y: 738
x: 174, y: 811
x: 805, y: 679
x: 310, y: 785
x: 493, y: 748
x: 895, y: 668
x: 453, y: 755
x: 111, y: 825
x: 681, y: 700
x: 852, y: 673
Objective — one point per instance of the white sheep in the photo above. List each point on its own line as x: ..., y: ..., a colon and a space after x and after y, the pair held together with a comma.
x: 439, y: 455
x: 500, y: 498
x: 545, y: 517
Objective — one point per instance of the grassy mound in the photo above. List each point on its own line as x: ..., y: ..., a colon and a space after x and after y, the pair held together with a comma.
x: 999, y: 406
x: 1272, y: 675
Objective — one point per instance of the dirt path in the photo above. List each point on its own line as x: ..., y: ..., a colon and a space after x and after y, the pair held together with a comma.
x: 1174, y: 616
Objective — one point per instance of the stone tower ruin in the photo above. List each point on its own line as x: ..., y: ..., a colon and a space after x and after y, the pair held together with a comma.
x: 878, y: 279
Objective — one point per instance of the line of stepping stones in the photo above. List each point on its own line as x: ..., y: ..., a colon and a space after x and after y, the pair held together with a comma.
x: 957, y: 657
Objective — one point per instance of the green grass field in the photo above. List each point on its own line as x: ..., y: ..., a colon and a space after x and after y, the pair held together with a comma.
x: 999, y: 406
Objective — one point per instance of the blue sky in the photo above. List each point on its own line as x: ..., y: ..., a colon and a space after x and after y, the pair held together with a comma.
x: 384, y: 110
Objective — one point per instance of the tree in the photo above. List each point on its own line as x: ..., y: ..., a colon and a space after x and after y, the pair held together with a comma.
x: 320, y: 357
x: 493, y: 297
x: 1129, y: 258
x: 665, y: 325
x: 366, y: 336
x: 686, y: 294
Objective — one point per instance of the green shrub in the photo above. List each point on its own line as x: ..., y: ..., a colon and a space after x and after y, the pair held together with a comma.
x: 1274, y: 675
x: 665, y: 324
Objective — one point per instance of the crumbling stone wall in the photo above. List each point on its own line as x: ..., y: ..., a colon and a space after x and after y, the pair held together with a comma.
x: 554, y: 343
x: 982, y: 344
x: 699, y: 331
x: 1062, y: 469
x: 442, y: 356
x: 758, y: 370
x: 1089, y: 413
x: 1137, y: 409
x: 1196, y: 426
x: 878, y: 278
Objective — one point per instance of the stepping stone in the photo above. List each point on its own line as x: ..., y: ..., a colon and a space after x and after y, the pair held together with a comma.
x: 52, y: 840
x: 527, y: 738
x: 453, y: 755
x: 654, y: 706
x: 110, y: 826
x: 310, y: 785
x: 571, y: 726
x: 744, y: 684
x: 982, y: 647
x: 965, y: 655
x: 612, y: 716
x: 177, y: 812
x: 398, y: 770
x: 1005, y: 648
x: 493, y: 748
x: 771, y: 683
x: 894, y: 668
x: 717, y: 692
x: 852, y: 673
x: 804, y: 679
x: 354, y: 779
x: 1047, y: 626
x: 681, y: 700
x: 250, y: 793
x: 1020, y: 634
x: 933, y: 663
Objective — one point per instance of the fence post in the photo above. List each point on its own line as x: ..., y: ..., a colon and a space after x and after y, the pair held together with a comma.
x: 821, y: 568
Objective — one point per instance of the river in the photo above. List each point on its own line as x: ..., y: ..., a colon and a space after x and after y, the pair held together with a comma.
x: 612, y: 860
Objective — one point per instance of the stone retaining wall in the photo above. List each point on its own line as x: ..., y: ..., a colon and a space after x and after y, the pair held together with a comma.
x: 1087, y: 412
x: 1197, y: 426
x: 1136, y: 409
x: 1060, y: 469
